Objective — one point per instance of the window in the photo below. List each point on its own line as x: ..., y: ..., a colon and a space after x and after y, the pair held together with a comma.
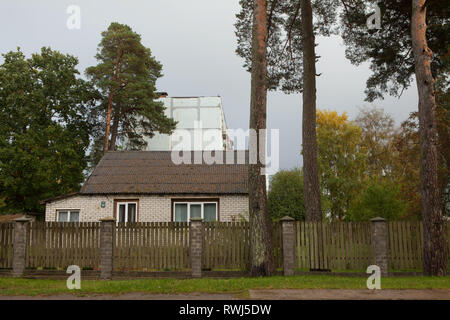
x: 68, y: 216
x: 184, y: 211
x: 126, y: 211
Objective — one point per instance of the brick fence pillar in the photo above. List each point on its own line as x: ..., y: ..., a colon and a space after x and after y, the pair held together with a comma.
x: 107, y: 241
x: 288, y: 237
x: 196, y: 246
x: 379, y: 234
x: 20, y: 246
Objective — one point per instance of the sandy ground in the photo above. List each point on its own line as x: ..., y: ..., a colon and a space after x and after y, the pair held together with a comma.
x: 285, y: 294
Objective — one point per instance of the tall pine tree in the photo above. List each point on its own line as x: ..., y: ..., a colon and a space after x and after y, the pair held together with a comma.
x: 260, y: 228
x: 126, y: 74
x: 434, y: 253
x: 291, y: 62
x: 413, y: 40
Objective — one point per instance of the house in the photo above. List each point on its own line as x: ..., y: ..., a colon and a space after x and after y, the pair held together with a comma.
x: 192, y: 113
x: 148, y: 186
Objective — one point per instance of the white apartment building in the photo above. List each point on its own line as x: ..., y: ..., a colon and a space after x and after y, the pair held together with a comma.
x: 205, y: 113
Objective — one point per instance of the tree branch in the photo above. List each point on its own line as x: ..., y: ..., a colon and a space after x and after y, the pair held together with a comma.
x: 269, y: 21
x: 291, y: 26
x: 348, y: 25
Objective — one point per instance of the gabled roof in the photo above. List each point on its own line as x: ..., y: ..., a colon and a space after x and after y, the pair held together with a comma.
x: 154, y: 172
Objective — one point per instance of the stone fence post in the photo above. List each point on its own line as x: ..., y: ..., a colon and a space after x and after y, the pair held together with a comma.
x: 20, y: 246
x: 288, y: 238
x: 107, y: 242
x: 379, y: 234
x: 196, y: 246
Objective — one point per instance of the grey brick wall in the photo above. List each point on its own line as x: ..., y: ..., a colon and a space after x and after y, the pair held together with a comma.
x: 288, y: 238
x: 196, y: 246
x: 379, y: 236
x: 107, y: 232
x: 19, y: 246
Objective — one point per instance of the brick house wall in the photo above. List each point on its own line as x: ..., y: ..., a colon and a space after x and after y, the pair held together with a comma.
x: 151, y: 208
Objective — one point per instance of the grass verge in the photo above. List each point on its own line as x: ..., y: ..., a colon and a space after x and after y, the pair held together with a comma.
x: 236, y: 286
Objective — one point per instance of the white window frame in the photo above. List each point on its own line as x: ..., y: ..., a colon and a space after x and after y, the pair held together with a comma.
x: 126, y: 203
x: 69, y: 212
x: 202, y: 203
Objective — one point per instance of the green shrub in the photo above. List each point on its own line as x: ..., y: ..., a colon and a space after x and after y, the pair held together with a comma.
x: 285, y: 197
x: 379, y: 199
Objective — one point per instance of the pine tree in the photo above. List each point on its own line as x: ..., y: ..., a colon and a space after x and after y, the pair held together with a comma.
x: 291, y: 62
x: 394, y: 60
x: 389, y: 50
x: 126, y: 74
x: 434, y: 253
x: 260, y: 227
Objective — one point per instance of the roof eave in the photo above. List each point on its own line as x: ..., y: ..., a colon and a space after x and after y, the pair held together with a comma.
x: 61, y: 197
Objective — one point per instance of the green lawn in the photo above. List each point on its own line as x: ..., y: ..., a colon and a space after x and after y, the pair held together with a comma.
x: 238, y: 286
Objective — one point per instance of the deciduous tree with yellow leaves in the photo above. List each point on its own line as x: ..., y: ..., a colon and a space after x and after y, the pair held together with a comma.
x: 342, y: 161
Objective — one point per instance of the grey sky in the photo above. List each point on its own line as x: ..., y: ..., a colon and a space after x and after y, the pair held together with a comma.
x: 195, y: 42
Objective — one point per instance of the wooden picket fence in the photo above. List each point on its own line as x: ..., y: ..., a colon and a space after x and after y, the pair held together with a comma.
x: 59, y: 245
x: 341, y: 246
x: 277, y: 243
x: 406, y: 244
x: 6, y: 245
x: 350, y: 246
x: 152, y: 246
x: 333, y: 246
x: 226, y: 245
x: 336, y: 246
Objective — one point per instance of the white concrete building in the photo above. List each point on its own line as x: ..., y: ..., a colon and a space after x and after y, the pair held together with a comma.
x: 205, y: 113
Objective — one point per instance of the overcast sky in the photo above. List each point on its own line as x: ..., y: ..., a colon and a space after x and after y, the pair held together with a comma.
x: 195, y: 42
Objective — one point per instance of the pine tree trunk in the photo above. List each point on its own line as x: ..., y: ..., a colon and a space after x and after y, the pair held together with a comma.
x: 434, y: 251
x: 108, y: 119
x: 110, y: 99
x: 310, y: 164
x: 114, y: 132
x: 260, y: 226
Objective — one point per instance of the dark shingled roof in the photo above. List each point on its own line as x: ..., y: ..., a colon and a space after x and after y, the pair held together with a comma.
x: 154, y: 172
